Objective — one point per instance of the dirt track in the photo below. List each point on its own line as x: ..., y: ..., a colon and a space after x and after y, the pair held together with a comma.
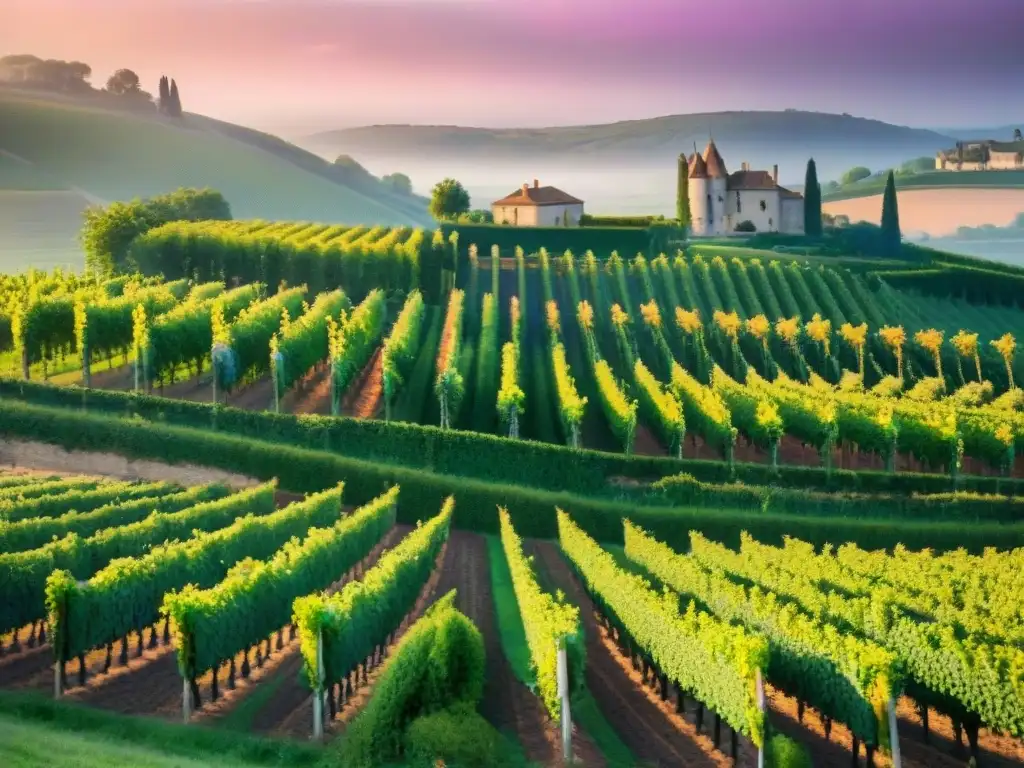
x: 364, y: 398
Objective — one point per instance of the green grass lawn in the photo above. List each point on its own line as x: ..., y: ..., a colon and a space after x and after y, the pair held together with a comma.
x: 39, y: 228
x: 932, y: 180
x: 36, y: 731
x: 18, y: 176
x: 29, y: 745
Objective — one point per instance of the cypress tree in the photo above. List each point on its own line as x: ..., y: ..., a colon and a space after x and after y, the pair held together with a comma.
x: 683, y: 192
x: 812, y: 201
x: 165, y: 95
x: 891, y: 237
x: 175, y: 101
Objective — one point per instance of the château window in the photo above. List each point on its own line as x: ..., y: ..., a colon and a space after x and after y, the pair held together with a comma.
x: 739, y: 204
x: 764, y: 206
x: 721, y: 199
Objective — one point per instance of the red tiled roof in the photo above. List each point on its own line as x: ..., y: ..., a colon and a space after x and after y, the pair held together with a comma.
x: 538, y: 196
x: 750, y: 180
x: 714, y: 162
x: 698, y: 170
x: 784, y: 193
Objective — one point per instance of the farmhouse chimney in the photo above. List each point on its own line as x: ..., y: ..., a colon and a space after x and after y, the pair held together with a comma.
x: 536, y: 184
x: 775, y: 173
x: 526, y: 190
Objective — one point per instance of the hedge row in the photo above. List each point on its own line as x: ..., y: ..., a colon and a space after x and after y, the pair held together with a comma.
x: 533, y: 511
x: 589, y: 220
x: 481, y: 456
x: 628, y: 241
x: 685, y: 490
x: 974, y: 284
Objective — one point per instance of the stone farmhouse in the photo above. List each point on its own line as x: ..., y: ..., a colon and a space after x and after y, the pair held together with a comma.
x: 538, y: 206
x: 982, y: 155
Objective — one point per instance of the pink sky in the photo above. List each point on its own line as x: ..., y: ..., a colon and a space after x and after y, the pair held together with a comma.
x: 303, y: 65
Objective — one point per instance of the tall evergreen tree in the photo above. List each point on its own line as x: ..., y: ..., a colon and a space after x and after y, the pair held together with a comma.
x: 165, y: 95
x: 812, y: 201
x: 683, y: 192
x: 891, y: 237
x: 175, y: 101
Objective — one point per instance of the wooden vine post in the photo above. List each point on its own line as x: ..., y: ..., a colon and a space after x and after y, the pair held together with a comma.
x: 563, y: 695
x: 58, y: 630
x: 318, y: 689
x: 760, y: 706
x: 894, y: 738
x: 186, y: 699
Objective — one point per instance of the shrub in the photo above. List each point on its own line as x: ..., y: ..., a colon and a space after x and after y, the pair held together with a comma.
x: 746, y: 226
x: 438, y: 664
x: 782, y: 752
x: 458, y: 736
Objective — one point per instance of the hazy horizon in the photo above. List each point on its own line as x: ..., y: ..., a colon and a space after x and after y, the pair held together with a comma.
x: 297, y: 67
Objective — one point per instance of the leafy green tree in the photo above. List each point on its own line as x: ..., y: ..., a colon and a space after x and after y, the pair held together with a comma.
x: 891, y: 237
x: 855, y: 174
x: 812, y: 201
x: 478, y: 216
x: 398, y: 182
x: 448, y: 200
x: 918, y: 165
x: 108, y: 233
x: 124, y: 82
x: 1017, y: 135
x: 683, y: 192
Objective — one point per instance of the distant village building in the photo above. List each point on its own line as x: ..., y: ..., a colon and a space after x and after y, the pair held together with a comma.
x: 720, y: 201
x: 538, y: 206
x: 982, y: 155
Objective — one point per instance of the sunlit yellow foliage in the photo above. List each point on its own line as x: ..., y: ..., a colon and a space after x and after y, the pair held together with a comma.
x: 788, y: 330
x: 854, y: 335
x: 585, y: 314
x: 1006, y: 346
x: 619, y: 316
x: 688, y: 320
x: 820, y: 330
x: 553, y: 320
x: 758, y: 327
x: 545, y: 619
x: 931, y: 340
x: 651, y: 314
x: 895, y: 337
x: 729, y: 323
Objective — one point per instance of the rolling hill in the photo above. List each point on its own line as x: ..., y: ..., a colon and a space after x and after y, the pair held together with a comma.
x: 627, y: 167
x: 932, y: 180
x: 57, y: 155
x: 659, y: 135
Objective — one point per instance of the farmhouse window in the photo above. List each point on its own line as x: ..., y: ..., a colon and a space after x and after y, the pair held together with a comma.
x: 739, y: 204
x: 764, y: 206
